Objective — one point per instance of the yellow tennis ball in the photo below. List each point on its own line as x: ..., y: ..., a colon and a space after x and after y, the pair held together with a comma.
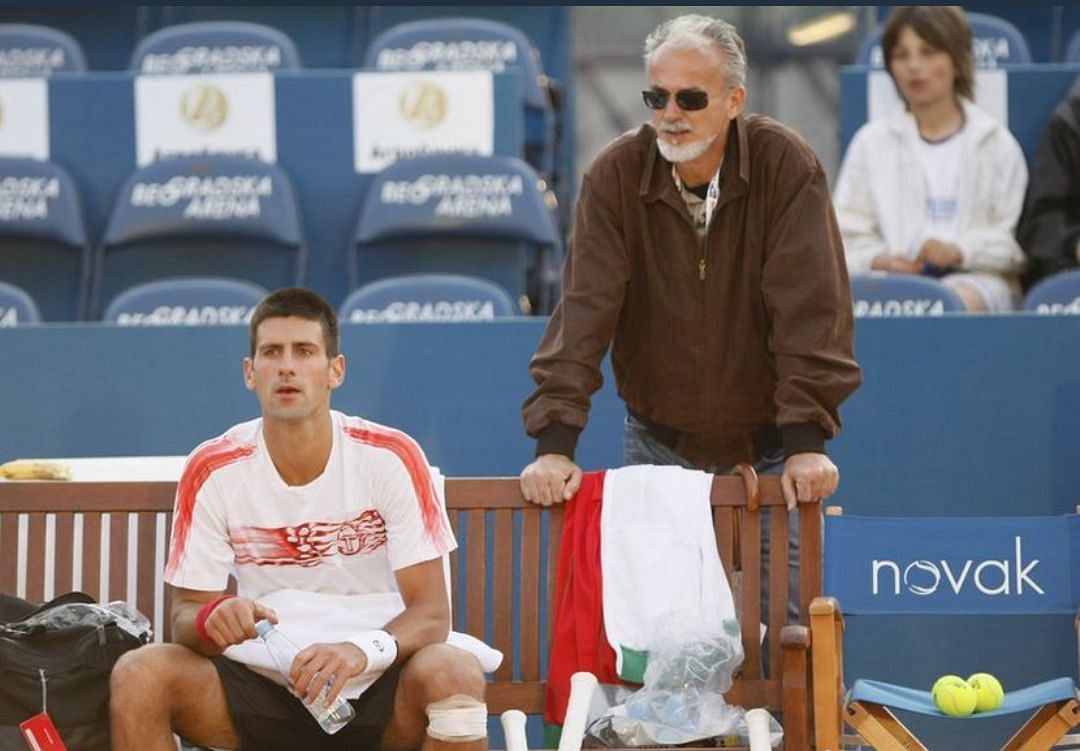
x: 988, y: 692
x: 953, y: 696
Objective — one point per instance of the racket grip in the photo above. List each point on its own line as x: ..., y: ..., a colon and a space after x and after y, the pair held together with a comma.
x: 513, y: 724
x: 757, y: 726
x: 582, y: 685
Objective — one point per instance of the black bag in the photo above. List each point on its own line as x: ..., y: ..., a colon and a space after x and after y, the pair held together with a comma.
x: 76, y: 661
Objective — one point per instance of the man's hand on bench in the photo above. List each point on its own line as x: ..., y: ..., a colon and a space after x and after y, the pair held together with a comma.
x: 551, y: 479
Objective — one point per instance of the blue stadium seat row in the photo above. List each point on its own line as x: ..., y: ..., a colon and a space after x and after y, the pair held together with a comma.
x: 882, y: 295
x: 235, y: 218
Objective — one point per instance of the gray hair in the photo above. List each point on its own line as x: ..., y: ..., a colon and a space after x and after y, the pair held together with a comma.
x: 702, y: 31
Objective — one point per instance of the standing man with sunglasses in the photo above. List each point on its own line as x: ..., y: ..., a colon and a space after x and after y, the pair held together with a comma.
x: 706, y: 254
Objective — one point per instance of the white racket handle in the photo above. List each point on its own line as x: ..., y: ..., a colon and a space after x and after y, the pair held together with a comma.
x: 582, y: 685
x: 758, y: 725
x: 513, y: 724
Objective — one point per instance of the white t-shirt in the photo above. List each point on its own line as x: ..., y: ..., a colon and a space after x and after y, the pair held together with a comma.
x: 323, y: 555
x: 941, y: 168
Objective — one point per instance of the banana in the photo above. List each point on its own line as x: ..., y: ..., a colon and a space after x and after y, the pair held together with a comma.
x: 34, y: 469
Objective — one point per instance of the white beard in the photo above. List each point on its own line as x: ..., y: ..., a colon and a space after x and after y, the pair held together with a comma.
x: 683, y: 152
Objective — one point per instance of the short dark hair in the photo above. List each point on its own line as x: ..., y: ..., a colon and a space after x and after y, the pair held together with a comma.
x: 301, y: 303
x: 944, y: 27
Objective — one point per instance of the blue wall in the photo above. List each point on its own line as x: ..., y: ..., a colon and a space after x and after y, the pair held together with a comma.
x: 958, y: 415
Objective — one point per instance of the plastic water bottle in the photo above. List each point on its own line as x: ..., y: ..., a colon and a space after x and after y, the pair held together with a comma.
x: 331, y: 719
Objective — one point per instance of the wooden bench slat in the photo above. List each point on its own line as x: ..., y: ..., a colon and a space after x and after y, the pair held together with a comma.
x: 778, y: 585
x: 146, y: 544
x: 91, y: 554
x: 810, y: 536
x: 9, y: 551
x: 118, y: 555
x: 503, y: 594
x: 531, y: 627
x: 750, y: 593
x: 724, y: 522
x: 35, y: 564
x: 475, y: 573
x: 64, y: 545
x: 554, y: 535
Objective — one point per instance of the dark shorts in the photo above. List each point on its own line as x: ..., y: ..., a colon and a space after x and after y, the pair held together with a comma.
x: 267, y: 717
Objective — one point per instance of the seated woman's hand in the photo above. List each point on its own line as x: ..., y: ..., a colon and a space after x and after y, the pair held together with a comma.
x: 941, y: 254
x: 896, y: 264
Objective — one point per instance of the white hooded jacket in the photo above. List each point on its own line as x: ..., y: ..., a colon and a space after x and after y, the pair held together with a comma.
x: 881, y: 193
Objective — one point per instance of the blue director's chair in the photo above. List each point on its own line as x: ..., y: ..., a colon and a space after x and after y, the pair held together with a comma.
x: 939, y: 566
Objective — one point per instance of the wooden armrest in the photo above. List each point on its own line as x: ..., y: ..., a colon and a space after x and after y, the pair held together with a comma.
x: 795, y: 637
x: 827, y: 669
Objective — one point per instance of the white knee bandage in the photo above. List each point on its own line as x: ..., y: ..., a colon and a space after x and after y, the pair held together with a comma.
x: 458, y: 719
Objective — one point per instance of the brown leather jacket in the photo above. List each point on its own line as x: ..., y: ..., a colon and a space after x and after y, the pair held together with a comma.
x: 718, y: 339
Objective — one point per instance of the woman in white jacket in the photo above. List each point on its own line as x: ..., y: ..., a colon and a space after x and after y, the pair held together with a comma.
x: 937, y: 189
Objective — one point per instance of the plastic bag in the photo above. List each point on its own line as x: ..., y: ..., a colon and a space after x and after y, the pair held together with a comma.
x: 690, y: 667
x: 89, y: 614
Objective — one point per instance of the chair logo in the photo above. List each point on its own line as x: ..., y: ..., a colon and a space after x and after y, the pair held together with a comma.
x: 423, y: 104
x: 993, y: 576
x: 204, y: 107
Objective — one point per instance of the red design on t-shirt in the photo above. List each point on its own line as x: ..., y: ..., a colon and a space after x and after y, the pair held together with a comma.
x: 208, y: 459
x: 410, y: 455
x: 309, y: 543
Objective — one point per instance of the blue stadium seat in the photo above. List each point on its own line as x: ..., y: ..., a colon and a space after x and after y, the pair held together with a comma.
x: 29, y: 51
x: 996, y: 42
x: 43, y: 243
x: 882, y: 295
x: 472, y: 215
x: 194, y: 301
x: 202, y: 216
x: 470, y: 44
x: 16, y: 307
x: 1072, y: 51
x: 214, y: 47
x: 428, y: 298
x: 1056, y: 295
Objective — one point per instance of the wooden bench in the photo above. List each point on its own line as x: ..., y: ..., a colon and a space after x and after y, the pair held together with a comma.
x: 111, y: 539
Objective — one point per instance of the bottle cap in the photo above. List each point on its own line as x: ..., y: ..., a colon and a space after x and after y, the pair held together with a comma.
x: 263, y: 627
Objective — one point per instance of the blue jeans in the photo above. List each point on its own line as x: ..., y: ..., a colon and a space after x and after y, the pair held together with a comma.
x: 639, y: 447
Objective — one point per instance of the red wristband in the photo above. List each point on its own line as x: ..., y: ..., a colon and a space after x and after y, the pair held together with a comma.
x: 204, y: 613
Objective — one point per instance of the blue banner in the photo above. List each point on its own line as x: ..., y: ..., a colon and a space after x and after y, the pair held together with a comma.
x: 1003, y: 565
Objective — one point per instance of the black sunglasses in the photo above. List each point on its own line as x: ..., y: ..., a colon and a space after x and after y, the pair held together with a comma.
x: 690, y: 100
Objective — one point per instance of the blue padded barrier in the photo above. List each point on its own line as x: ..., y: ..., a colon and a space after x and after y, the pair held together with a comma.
x: 43, y: 242
x: 194, y: 301
x: 215, y: 47
x: 29, y: 50
x: 219, y: 216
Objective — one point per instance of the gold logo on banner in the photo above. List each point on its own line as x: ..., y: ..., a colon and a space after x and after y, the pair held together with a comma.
x: 423, y: 104
x: 204, y: 107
